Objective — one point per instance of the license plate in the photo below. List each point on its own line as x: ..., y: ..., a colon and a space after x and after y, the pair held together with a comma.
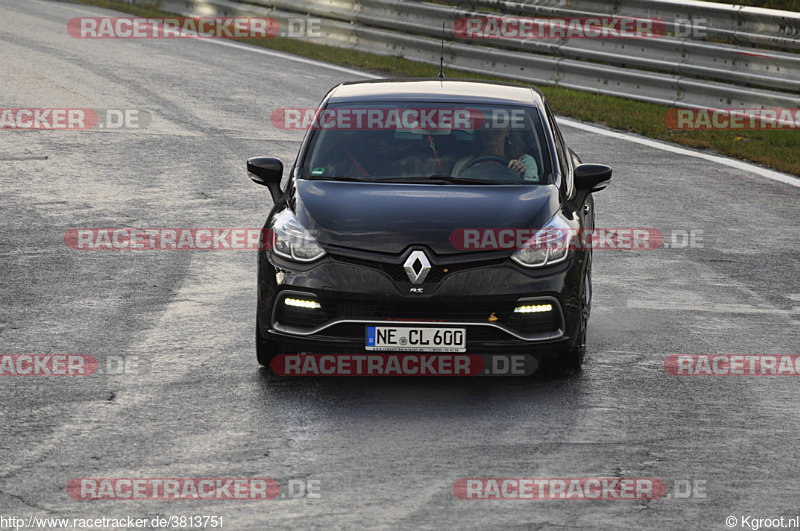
x: 416, y: 339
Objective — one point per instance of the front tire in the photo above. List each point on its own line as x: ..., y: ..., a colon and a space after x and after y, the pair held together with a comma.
x: 266, y: 349
x: 570, y: 359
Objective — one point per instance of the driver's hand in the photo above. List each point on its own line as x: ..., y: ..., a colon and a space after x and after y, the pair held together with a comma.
x: 517, y: 165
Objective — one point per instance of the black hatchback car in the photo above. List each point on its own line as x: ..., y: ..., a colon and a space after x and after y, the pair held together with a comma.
x: 416, y: 210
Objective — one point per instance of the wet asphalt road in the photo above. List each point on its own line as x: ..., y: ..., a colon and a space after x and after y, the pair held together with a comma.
x: 383, y: 452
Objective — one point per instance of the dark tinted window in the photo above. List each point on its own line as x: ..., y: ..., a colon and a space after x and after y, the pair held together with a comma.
x: 392, y: 141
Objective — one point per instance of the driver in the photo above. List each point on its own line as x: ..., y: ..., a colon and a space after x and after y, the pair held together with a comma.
x: 494, y: 142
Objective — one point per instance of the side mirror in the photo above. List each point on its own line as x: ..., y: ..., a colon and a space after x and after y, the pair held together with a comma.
x: 267, y: 172
x: 590, y: 178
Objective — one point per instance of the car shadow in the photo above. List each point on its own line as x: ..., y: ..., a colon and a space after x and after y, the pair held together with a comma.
x: 398, y: 396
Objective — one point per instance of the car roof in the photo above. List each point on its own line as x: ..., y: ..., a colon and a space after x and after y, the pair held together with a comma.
x: 435, y: 90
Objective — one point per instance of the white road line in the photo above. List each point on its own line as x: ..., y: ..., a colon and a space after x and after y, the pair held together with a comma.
x: 712, y: 308
x: 732, y: 163
x: 71, y: 7
x: 738, y: 164
x: 293, y: 58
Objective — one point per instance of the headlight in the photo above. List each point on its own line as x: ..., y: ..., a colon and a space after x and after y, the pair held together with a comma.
x: 548, y: 246
x: 291, y: 240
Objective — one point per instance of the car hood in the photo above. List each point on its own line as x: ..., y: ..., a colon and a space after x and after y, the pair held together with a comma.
x: 388, y: 218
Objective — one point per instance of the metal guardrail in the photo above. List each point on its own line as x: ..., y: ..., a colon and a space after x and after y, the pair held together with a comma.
x: 735, y: 23
x: 667, y: 70
x: 760, y: 68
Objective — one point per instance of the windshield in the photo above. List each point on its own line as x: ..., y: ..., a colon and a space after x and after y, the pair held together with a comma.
x: 424, y: 142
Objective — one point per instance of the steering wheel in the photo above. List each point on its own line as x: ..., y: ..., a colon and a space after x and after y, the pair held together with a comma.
x: 487, y: 159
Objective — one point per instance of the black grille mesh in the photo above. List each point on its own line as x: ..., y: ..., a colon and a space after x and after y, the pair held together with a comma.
x: 396, y: 272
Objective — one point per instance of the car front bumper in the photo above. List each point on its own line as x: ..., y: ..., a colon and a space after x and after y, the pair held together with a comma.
x: 478, y: 293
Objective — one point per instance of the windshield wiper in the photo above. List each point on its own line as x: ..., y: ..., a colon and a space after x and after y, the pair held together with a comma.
x: 437, y: 179
x: 337, y: 178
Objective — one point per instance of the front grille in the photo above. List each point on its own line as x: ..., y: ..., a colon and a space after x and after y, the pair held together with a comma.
x: 396, y: 272
x: 453, y: 311
x: 417, y: 312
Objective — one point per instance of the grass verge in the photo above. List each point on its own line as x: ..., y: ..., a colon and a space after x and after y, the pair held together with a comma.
x: 778, y: 149
x: 785, y: 5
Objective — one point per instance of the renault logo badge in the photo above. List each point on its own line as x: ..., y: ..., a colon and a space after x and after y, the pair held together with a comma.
x: 417, y: 267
